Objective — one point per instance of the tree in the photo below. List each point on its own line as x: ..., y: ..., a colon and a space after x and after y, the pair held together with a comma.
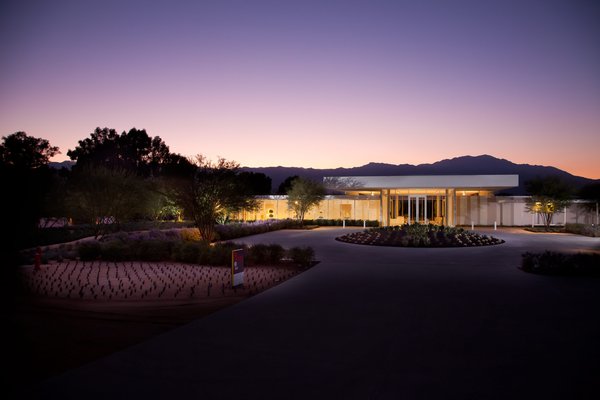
x: 548, y: 196
x: 256, y: 183
x: 133, y: 151
x: 26, y: 181
x: 101, y: 148
x: 303, y: 195
x: 54, y: 206
x: 27, y: 152
x: 208, y: 191
x: 591, y: 193
x: 104, y: 196
x: 286, y: 185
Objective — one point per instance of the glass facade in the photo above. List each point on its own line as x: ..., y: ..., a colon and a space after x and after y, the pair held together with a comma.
x: 417, y: 208
x: 391, y: 207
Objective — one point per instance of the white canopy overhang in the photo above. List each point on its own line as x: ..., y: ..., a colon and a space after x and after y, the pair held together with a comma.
x: 460, y: 182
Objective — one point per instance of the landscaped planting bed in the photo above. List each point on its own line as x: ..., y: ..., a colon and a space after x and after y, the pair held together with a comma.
x: 416, y: 235
x: 181, y: 245
x: 554, y: 263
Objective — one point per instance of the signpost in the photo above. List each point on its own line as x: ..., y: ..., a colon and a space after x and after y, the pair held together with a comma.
x: 237, y: 267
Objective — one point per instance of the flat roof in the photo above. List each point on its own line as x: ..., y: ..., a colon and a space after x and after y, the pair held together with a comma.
x: 488, y: 182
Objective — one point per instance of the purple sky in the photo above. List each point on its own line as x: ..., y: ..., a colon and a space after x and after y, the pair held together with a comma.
x: 313, y: 84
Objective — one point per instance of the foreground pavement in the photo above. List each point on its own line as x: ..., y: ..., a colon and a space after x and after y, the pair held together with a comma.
x: 377, y: 323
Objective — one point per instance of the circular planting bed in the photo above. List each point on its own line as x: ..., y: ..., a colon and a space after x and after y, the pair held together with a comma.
x: 419, y: 236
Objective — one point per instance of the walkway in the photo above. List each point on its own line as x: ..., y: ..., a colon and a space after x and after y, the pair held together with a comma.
x: 377, y: 323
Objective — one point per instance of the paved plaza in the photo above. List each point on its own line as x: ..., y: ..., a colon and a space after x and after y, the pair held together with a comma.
x: 377, y: 323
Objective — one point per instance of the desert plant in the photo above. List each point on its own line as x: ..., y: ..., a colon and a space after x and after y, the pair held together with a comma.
x: 190, y: 234
x: 276, y: 253
x: 220, y: 254
x: 258, y: 254
x: 302, y: 256
x: 89, y: 251
x: 117, y: 251
x: 187, y: 252
x: 554, y: 263
x: 154, y: 250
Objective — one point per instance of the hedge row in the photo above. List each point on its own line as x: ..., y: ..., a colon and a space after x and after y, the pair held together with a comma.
x: 583, y: 229
x: 577, y: 229
x: 193, y: 252
x: 64, y: 234
x: 340, y: 222
x: 553, y: 263
x: 240, y: 229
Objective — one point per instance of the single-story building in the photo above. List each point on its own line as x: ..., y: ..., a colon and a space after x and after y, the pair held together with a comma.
x: 439, y: 199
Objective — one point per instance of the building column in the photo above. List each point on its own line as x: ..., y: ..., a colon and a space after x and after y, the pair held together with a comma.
x: 387, y: 207
x: 381, y: 207
x: 454, y: 207
x: 384, y: 207
x: 450, y: 207
x: 446, y: 220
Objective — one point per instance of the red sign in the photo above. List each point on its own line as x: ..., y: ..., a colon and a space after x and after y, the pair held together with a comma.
x: 237, y: 267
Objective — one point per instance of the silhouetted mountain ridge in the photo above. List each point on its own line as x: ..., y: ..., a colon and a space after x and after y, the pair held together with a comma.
x: 68, y: 164
x: 465, y: 165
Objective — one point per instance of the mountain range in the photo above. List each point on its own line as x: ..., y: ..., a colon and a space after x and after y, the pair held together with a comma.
x: 465, y: 165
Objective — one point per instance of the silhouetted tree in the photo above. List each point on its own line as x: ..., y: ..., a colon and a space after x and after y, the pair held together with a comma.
x: 104, y: 196
x: 207, y: 191
x: 101, y: 148
x: 548, y: 196
x: 26, y: 152
x: 256, y: 183
x: 54, y: 204
x: 26, y: 180
x: 303, y: 195
x: 285, y: 186
x: 591, y: 193
x: 133, y: 151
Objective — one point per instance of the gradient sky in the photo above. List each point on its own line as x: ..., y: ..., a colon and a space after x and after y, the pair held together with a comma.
x: 311, y: 83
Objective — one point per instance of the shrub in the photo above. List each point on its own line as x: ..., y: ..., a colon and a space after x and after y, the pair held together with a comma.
x: 89, y: 251
x: 65, y: 234
x: 265, y: 254
x: 63, y: 251
x: 339, y: 222
x: 220, y: 254
x: 238, y: 229
x: 258, y: 254
x: 187, y: 252
x: 117, y: 251
x: 553, y: 263
x: 190, y: 234
x: 416, y: 235
x: 302, y: 256
x: 154, y: 250
x: 419, y: 233
x: 119, y: 248
x: 276, y: 253
x: 583, y: 229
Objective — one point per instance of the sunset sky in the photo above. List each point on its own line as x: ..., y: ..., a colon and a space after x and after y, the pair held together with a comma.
x: 311, y: 83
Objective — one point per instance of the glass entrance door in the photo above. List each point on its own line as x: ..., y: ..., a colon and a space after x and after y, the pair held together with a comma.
x: 417, y: 210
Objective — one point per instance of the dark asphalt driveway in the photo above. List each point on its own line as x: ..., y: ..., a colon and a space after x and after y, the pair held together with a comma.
x: 377, y: 323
